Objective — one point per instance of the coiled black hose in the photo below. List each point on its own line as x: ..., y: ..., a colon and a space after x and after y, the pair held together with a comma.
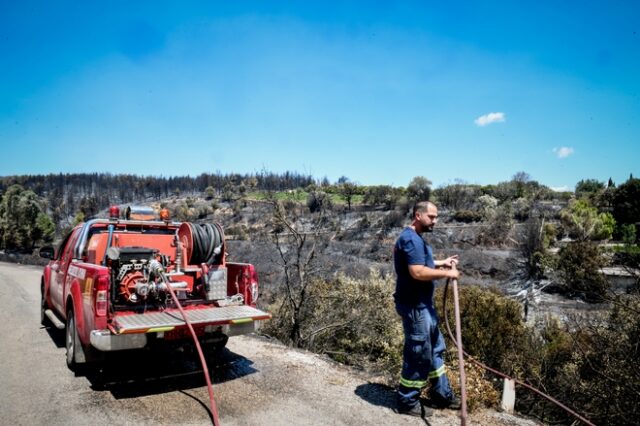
x: 207, y: 243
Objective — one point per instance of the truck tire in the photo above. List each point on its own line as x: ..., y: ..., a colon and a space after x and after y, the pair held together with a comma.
x: 44, y: 320
x: 214, y: 348
x: 72, y: 343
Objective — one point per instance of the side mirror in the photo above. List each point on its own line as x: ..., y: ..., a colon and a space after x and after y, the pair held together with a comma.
x: 47, y: 252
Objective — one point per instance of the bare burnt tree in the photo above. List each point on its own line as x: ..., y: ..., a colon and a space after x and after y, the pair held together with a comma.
x: 299, y: 245
x: 533, y: 249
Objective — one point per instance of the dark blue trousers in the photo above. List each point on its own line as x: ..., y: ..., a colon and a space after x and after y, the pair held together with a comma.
x: 423, y: 357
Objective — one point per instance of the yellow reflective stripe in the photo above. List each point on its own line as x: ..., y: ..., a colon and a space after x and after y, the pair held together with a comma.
x: 413, y: 383
x: 159, y: 329
x: 436, y: 373
x: 241, y: 320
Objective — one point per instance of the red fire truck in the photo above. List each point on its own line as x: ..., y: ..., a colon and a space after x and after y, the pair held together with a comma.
x: 108, y: 284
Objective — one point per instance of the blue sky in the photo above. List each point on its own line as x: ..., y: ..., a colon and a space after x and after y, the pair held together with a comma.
x: 377, y: 91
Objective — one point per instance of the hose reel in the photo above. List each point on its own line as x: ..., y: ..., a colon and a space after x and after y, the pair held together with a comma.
x: 202, y: 243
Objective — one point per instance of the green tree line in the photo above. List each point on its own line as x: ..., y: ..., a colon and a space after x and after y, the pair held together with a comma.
x: 23, y: 222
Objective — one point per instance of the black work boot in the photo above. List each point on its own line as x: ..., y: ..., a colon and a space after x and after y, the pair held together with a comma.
x: 436, y: 401
x: 417, y: 410
x: 453, y: 404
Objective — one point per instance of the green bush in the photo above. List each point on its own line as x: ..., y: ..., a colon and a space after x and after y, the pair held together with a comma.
x: 182, y: 213
x: 587, y: 187
x: 492, y: 327
x: 209, y: 192
x: 500, y: 226
x: 583, y: 222
x: 604, y: 227
x: 549, y: 235
x: 382, y: 195
x: 591, y: 364
x: 579, y: 266
x: 467, y: 216
x: 626, y: 201
x: 534, y: 248
x: 352, y: 320
x: 23, y: 223
x: 239, y: 232
x: 626, y: 233
x: 521, y: 209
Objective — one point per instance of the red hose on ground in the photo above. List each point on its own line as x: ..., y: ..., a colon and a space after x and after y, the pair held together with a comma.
x: 212, y: 401
x: 496, y: 372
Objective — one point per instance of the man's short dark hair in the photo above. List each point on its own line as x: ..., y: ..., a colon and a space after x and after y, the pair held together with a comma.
x: 421, y: 206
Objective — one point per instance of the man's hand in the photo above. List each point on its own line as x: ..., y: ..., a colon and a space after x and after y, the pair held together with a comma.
x: 453, y: 273
x: 449, y: 262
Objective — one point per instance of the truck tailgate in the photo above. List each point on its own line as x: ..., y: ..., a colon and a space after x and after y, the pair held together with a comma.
x: 170, y: 318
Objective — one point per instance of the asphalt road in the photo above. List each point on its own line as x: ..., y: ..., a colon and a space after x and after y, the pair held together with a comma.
x: 256, y: 382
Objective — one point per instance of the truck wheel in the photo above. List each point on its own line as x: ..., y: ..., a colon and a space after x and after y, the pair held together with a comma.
x: 72, y: 343
x: 44, y: 320
x: 216, y: 345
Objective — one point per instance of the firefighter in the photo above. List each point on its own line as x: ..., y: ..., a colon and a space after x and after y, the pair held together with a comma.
x: 423, y: 353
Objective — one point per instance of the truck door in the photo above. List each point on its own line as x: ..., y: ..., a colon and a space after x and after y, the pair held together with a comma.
x: 59, y: 269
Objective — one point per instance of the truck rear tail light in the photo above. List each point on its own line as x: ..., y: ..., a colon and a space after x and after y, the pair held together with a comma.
x: 102, y: 288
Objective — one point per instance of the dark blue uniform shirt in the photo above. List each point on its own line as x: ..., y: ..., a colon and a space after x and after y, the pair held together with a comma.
x: 411, y: 249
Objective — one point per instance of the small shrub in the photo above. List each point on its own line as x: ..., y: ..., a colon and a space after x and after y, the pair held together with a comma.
x: 521, y: 209
x: 591, y: 362
x: 318, y: 201
x: 583, y: 222
x: 228, y: 194
x: 352, y: 320
x: 209, y: 192
x: 488, y: 206
x: 239, y: 232
x: 481, y: 392
x: 182, y: 213
x: 394, y: 219
x: 499, y: 227
x: 492, y: 326
x: 364, y: 223
x: 626, y: 233
x: 549, y: 235
x: 467, y: 216
x: 290, y: 205
x: 579, y: 266
x: 604, y: 227
x: 533, y: 249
